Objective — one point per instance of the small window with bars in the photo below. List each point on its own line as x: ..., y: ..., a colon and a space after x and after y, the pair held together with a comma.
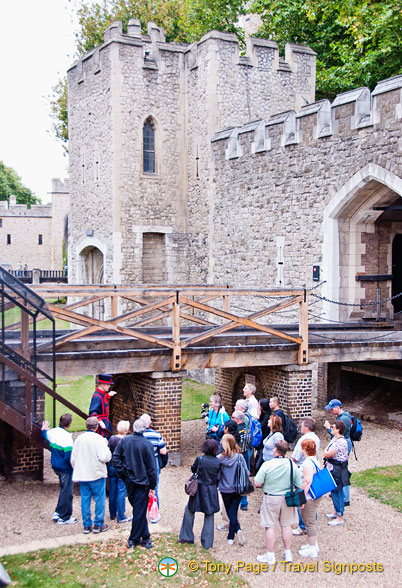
x: 148, y: 135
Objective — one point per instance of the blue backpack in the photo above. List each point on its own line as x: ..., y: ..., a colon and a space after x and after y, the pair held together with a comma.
x: 356, y: 430
x: 254, y: 431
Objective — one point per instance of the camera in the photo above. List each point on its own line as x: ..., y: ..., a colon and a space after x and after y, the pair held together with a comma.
x: 204, y: 411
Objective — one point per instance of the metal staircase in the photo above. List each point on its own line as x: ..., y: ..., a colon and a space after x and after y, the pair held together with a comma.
x: 23, y: 385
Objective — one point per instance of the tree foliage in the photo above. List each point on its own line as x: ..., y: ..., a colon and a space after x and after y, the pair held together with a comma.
x: 59, y: 113
x: 11, y: 184
x: 358, y: 42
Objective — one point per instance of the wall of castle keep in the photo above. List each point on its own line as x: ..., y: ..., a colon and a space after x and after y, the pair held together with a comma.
x: 247, y: 167
x: 190, y: 92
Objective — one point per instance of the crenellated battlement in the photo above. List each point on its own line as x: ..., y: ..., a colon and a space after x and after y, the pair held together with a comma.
x: 261, y: 54
x: 350, y: 111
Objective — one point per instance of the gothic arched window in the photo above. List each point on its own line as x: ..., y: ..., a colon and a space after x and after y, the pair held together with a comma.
x: 148, y: 136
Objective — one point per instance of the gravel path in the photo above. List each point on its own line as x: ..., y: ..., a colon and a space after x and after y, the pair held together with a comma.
x: 372, y: 531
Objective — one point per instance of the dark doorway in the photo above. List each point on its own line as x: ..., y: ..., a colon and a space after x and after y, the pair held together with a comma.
x: 397, y: 272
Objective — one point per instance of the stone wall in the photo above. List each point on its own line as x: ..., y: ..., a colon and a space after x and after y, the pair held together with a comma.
x: 319, y: 181
x: 24, y: 226
x: 189, y: 93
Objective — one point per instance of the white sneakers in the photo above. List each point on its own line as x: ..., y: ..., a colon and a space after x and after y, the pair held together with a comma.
x: 331, y: 516
x: 308, y: 551
x: 70, y: 521
x: 55, y: 516
x: 268, y: 557
x: 241, y: 538
x: 231, y: 541
x: 335, y: 522
x: 307, y: 545
x: 287, y: 555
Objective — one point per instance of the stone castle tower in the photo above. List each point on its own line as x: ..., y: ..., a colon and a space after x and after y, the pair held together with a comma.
x: 142, y: 115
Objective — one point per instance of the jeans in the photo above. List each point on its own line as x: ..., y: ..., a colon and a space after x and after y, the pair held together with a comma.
x: 117, y: 495
x: 301, y: 522
x: 231, y: 502
x: 346, y: 489
x: 247, y: 456
x: 338, y: 501
x: 64, y: 506
x: 97, y: 489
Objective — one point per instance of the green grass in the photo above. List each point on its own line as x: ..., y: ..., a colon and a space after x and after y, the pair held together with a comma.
x: 79, y: 392
x: 109, y: 564
x: 13, y: 316
x: 384, y: 484
x: 194, y: 394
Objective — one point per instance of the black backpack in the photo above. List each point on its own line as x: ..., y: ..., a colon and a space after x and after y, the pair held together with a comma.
x: 289, y: 427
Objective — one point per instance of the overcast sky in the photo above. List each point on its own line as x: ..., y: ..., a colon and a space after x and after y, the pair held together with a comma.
x: 36, y: 48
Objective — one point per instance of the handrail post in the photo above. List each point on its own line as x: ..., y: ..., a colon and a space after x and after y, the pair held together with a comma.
x: 114, y: 308
x: 25, y: 352
x: 303, y: 328
x: 226, y: 302
x: 176, y: 355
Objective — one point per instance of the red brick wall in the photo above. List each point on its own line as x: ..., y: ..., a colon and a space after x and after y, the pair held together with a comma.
x: 292, y: 386
x: 160, y: 397
x: 375, y: 261
x: 322, y: 385
x: 19, y: 458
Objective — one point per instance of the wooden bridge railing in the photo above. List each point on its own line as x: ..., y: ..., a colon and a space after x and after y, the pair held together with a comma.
x: 180, y: 304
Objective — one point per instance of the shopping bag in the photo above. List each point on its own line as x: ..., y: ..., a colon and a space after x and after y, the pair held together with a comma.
x: 153, y: 511
x: 323, y: 482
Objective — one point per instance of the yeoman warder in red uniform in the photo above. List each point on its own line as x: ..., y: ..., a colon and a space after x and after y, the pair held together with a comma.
x: 99, y: 406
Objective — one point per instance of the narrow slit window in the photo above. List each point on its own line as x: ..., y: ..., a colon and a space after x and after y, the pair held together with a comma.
x: 8, y: 239
x: 40, y: 239
x: 149, y: 147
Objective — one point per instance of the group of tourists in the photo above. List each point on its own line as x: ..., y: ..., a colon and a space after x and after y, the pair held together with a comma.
x: 231, y: 440
x: 131, y: 462
x: 256, y: 436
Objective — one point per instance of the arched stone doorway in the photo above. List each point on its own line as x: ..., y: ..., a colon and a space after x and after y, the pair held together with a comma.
x: 91, y: 265
x: 359, y: 225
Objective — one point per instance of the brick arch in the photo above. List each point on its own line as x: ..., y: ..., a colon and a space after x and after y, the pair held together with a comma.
x: 124, y: 406
x: 348, y: 220
x: 240, y: 380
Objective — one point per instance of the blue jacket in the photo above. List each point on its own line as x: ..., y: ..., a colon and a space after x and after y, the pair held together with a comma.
x: 61, y: 446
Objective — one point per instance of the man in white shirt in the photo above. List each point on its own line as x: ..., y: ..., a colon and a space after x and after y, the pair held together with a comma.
x: 248, y: 393
x: 89, y: 457
x: 307, y: 429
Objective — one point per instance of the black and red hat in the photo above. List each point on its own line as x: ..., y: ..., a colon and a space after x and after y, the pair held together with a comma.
x: 105, y: 379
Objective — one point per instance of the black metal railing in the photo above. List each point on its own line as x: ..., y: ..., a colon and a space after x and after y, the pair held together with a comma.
x: 20, y: 311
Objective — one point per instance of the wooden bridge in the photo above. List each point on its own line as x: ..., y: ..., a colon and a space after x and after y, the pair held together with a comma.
x: 175, y: 328
x: 195, y: 325
x: 149, y: 335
